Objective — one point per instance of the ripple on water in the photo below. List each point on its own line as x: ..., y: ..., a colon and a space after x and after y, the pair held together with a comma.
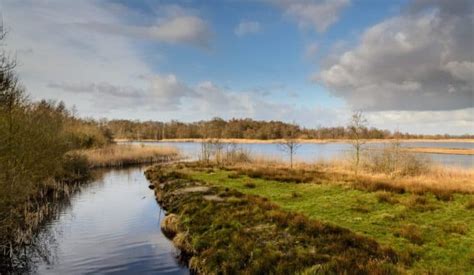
x: 111, y: 226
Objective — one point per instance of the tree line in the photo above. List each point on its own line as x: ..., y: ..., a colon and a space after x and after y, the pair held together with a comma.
x: 245, y: 128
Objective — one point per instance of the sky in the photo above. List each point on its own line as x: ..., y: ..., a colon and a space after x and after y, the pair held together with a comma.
x: 408, y: 65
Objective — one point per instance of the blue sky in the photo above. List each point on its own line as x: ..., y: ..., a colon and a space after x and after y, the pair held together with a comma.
x: 308, y: 61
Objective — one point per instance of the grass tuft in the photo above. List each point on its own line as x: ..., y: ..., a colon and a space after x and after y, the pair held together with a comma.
x: 249, y: 185
x: 412, y: 233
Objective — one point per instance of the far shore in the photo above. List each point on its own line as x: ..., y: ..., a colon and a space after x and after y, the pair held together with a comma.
x: 237, y: 140
x: 448, y: 151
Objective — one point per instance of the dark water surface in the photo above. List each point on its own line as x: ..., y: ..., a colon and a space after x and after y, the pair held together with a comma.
x: 112, y: 226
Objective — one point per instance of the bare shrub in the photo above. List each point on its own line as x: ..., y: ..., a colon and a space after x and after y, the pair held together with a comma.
x: 393, y: 161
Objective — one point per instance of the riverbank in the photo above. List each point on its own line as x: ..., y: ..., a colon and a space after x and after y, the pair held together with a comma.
x: 24, y: 215
x: 276, y: 141
x: 221, y: 230
x: 429, y: 229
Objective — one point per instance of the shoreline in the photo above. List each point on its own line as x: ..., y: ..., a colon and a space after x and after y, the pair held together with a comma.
x: 309, y: 141
x: 440, y: 151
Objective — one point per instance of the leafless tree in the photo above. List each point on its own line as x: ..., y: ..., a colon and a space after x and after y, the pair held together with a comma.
x: 356, y: 127
x: 290, y: 145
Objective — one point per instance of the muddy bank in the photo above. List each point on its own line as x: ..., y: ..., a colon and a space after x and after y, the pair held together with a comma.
x: 220, y: 230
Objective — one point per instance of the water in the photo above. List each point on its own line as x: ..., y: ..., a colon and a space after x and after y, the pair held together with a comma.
x: 327, y: 151
x: 111, y: 227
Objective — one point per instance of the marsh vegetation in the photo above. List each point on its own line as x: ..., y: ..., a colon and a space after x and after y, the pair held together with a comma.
x: 425, y: 219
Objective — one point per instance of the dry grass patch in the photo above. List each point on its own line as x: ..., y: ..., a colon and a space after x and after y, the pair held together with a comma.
x: 124, y: 155
x: 412, y: 233
x: 458, y: 228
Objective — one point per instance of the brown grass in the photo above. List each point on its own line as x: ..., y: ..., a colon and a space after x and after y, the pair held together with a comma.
x: 124, y: 155
x: 441, y: 181
x: 411, y: 232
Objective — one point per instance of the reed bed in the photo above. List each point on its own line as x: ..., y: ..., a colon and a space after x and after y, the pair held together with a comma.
x: 125, y: 155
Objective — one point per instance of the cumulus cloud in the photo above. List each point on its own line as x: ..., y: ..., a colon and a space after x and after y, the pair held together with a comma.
x: 247, y: 27
x: 317, y: 14
x: 420, y: 60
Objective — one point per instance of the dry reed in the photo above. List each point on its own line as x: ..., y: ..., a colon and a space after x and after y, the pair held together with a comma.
x: 435, y: 178
x: 124, y: 155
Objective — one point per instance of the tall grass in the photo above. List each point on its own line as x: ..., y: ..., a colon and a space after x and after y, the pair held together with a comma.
x: 125, y: 155
x: 404, y: 173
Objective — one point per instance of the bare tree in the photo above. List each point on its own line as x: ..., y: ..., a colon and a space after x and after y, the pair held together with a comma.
x: 356, y: 127
x: 290, y: 145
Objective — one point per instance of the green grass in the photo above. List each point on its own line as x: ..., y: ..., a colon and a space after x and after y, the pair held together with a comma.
x: 220, y: 230
x: 434, y: 235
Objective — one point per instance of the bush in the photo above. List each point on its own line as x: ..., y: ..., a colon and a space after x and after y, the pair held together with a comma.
x: 391, y: 160
x: 75, y: 168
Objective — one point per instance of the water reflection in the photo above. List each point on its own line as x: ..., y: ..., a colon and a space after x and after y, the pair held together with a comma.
x: 110, y: 226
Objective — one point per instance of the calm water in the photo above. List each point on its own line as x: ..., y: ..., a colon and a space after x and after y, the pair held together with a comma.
x: 327, y: 151
x: 112, y: 226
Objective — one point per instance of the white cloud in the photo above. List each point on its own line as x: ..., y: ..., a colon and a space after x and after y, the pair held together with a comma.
x: 168, y: 92
x: 185, y: 29
x: 247, y: 27
x: 425, y: 122
x: 52, y: 49
x: 422, y: 60
x: 317, y: 14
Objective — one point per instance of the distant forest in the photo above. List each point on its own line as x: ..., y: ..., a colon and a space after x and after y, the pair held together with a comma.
x: 243, y: 129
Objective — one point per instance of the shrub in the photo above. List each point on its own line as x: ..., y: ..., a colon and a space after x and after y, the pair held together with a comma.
x: 75, y: 168
x: 392, y: 160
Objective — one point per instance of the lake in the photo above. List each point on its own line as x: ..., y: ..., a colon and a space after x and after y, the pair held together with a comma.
x: 327, y: 151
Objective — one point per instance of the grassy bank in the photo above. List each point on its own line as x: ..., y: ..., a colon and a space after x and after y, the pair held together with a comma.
x: 428, y: 225
x: 125, y: 155
x: 222, y: 231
